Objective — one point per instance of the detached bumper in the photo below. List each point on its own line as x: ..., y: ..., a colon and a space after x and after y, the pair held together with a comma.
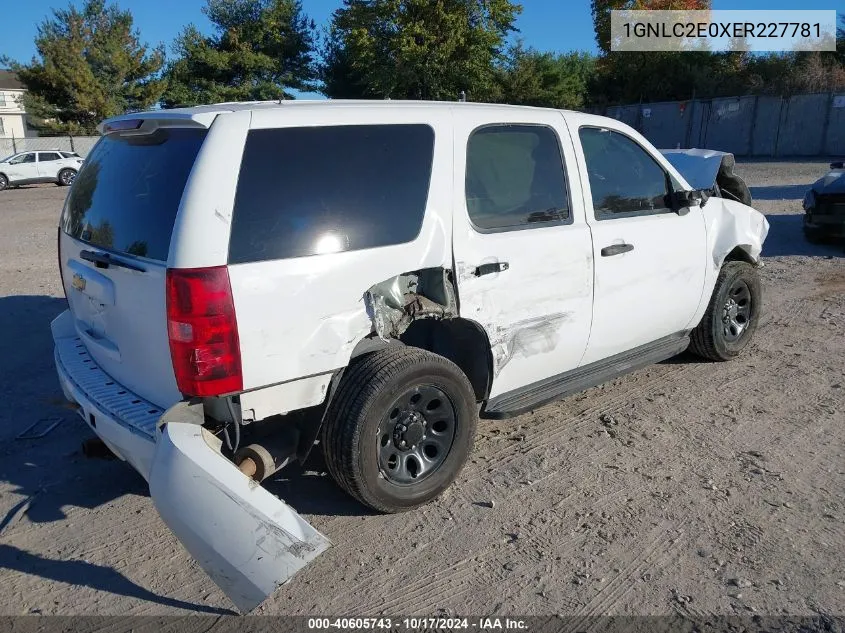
x: 247, y: 540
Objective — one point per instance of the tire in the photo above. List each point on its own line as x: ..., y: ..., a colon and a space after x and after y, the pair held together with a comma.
x: 4, y: 182
x: 376, y: 409
x: 66, y: 177
x: 718, y: 337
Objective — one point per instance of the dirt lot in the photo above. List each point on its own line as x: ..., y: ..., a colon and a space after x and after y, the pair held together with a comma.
x: 708, y: 489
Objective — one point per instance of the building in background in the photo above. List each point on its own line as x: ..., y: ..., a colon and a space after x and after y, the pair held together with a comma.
x: 12, y: 113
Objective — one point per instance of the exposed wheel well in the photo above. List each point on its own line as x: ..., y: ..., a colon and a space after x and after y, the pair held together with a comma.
x: 739, y: 254
x: 463, y: 342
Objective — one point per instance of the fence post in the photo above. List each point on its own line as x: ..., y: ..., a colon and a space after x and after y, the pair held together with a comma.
x: 14, y: 144
x: 775, y: 151
x: 753, y: 127
x: 72, y: 148
x: 826, y: 124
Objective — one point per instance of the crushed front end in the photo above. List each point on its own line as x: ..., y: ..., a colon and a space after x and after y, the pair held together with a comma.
x: 824, y: 206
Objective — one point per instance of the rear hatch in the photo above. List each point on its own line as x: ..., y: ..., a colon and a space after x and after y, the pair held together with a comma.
x: 114, y: 239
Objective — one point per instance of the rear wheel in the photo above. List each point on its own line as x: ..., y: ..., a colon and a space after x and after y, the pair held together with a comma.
x: 732, y: 314
x: 400, y: 428
x: 66, y: 177
x: 4, y: 182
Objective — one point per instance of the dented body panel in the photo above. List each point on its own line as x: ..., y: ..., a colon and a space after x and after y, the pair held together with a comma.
x: 731, y: 226
x: 536, y: 301
x: 325, y: 311
x: 246, y: 539
x: 537, y: 311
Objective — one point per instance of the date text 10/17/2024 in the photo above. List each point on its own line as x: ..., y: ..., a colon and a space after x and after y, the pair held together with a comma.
x: 418, y: 623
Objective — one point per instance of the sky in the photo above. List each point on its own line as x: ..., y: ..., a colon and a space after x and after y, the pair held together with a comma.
x: 547, y: 25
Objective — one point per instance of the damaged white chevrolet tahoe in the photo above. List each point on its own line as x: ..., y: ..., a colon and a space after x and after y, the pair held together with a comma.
x: 247, y: 280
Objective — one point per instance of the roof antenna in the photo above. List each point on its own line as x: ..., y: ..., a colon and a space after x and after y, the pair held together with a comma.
x: 463, y: 96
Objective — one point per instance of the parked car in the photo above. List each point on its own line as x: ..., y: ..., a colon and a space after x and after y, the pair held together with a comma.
x: 245, y: 280
x: 26, y: 168
x: 824, y: 206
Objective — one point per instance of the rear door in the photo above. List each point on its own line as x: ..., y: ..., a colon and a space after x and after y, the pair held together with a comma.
x: 114, y: 240
x: 49, y: 164
x: 521, y: 244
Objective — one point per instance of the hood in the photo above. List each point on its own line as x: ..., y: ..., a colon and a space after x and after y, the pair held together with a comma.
x: 708, y: 169
x: 833, y: 182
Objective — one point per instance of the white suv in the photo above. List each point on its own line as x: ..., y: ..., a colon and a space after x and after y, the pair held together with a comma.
x: 28, y: 168
x: 247, y: 280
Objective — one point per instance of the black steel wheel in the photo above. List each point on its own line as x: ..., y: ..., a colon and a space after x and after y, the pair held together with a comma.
x: 732, y: 314
x: 66, y: 177
x: 400, y: 428
x: 415, y: 437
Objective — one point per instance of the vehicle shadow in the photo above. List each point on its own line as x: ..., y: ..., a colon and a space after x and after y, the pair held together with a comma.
x: 309, y: 489
x: 49, y: 472
x: 786, y: 237
x: 779, y: 192
x: 98, y: 577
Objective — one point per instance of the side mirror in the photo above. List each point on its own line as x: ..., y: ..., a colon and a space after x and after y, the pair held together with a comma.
x: 682, y: 200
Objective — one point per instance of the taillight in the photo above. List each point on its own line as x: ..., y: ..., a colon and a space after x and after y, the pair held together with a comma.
x: 203, y: 331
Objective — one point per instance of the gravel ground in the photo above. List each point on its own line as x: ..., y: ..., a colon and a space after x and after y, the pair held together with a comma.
x: 688, y: 488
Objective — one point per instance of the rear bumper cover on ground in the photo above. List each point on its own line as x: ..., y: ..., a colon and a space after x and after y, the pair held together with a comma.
x: 246, y: 539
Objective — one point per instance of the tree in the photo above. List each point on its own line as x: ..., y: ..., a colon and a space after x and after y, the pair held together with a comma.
x: 416, y: 49
x: 549, y: 80
x: 90, y: 66
x: 601, y: 13
x: 260, y: 50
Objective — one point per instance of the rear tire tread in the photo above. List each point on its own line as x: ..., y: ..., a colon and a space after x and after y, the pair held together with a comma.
x: 362, y: 381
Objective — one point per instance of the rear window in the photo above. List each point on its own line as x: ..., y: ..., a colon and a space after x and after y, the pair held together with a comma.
x: 126, y: 196
x: 316, y: 190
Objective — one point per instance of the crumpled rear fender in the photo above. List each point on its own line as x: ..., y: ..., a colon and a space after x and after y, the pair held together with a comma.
x: 246, y: 539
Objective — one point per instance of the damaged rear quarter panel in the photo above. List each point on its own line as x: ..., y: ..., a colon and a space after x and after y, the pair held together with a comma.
x: 304, y: 316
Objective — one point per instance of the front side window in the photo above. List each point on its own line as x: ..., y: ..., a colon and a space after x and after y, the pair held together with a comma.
x: 515, y: 177
x: 23, y: 158
x: 317, y: 190
x: 624, y: 178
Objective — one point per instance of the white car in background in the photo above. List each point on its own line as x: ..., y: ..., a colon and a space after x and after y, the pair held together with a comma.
x: 27, y: 168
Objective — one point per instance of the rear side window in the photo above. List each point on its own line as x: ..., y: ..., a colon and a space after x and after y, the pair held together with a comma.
x: 316, y: 190
x: 514, y: 177
x: 45, y: 157
x: 127, y: 194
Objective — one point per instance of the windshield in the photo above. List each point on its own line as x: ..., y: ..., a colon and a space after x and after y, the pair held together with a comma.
x: 126, y: 196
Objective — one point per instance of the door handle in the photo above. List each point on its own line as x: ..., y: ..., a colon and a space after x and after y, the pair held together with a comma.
x: 616, y: 249
x: 489, y: 269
